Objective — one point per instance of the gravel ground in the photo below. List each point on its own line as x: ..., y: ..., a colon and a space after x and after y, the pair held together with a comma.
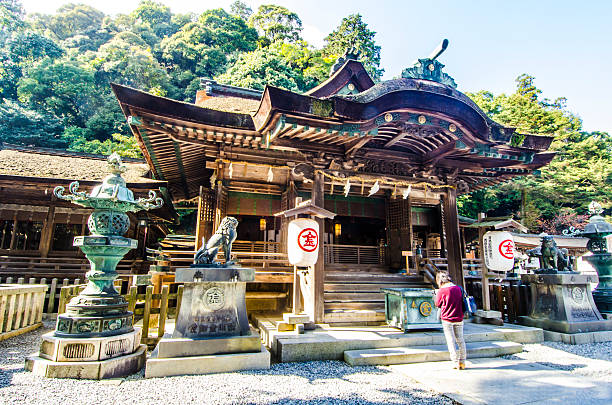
x: 329, y: 382
x: 591, y: 360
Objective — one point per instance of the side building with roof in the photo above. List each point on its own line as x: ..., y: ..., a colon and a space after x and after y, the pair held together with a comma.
x: 36, y: 227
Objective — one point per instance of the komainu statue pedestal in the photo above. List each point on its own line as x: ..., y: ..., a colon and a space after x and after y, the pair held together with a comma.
x: 563, y: 302
x: 212, y: 333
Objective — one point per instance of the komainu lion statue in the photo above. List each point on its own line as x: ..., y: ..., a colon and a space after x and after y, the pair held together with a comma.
x: 222, y: 238
x: 552, y: 258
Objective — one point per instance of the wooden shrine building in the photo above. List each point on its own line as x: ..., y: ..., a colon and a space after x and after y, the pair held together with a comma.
x: 389, y: 159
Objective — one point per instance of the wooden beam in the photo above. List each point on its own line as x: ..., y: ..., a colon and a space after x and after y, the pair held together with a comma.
x: 288, y: 144
x: 395, y: 139
x: 437, y: 154
x: 357, y: 145
x: 453, y: 245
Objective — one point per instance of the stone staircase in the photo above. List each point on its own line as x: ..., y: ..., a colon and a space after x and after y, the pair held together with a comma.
x: 383, y: 345
x: 352, y: 294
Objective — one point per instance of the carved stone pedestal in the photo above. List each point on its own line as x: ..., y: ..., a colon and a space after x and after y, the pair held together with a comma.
x: 563, y: 303
x: 212, y: 333
x: 88, y: 358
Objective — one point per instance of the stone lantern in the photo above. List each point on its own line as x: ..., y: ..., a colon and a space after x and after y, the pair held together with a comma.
x: 95, y: 338
x: 596, y: 230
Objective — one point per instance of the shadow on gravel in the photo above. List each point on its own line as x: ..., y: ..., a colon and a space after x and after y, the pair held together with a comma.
x: 337, y: 401
x: 565, y: 367
x: 6, y: 375
x: 556, y: 366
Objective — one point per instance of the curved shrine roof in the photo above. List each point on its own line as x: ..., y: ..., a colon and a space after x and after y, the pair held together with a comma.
x: 417, y: 126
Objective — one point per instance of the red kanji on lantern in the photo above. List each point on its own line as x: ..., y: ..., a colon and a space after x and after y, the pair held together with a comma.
x: 308, y: 240
x: 506, y: 249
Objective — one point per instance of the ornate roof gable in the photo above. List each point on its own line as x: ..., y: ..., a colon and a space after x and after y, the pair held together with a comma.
x: 430, y: 69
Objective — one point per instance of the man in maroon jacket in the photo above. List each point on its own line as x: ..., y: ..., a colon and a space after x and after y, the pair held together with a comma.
x: 449, y: 299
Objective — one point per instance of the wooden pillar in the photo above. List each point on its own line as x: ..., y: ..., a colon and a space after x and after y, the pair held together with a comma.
x: 219, y: 209
x: 486, y: 296
x: 14, y: 233
x: 453, y: 245
x: 411, y: 247
x: 410, y: 233
x: 204, y: 222
x: 318, y: 272
x: 289, y: 196
x: 46, y: 235
x: 443, y: 245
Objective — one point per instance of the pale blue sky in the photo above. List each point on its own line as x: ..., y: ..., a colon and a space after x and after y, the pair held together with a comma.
x: 566, y: 45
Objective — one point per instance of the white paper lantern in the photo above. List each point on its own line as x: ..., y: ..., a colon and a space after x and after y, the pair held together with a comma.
x: 498, y: 249
x: 303, y: 242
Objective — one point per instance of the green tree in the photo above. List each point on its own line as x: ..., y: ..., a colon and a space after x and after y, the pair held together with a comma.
x: 239, y: 9
x: 580, y: 172
x: 11, y: 18
x: 124, y: 145
x: 260, y: 67
x: 70, y: 20
x: 156, y: 16
x: 128, y: 60
x: 203, y: 47
x: 23, y: 126
x: 291, y: 66
x: 276, y: 23
x: 22, y: 49
x: 61, y: 87
x: 354, y: 33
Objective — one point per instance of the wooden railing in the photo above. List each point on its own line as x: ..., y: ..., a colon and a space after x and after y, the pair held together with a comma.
x: 470, y: 266
x: 271, y: 266
x: 257, y: 246
x: 54, y: 286
x: 61, y: 267
x: 353, y: 254
x: 511, y: 298
x: 21, y: 308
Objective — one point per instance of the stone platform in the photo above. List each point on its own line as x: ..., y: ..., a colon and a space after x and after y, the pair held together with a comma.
x: 330, y: 342
x: 578, y: 338
x: 223, y: 354
x: 209, y: 364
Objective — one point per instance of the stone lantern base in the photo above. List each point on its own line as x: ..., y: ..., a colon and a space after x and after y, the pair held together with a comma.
x: 88, y: 358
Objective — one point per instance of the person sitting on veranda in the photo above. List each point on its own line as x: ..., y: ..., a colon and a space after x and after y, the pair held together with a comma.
x: 449, y: 298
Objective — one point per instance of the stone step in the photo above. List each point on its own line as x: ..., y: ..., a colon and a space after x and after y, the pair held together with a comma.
x: 422, y: 354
